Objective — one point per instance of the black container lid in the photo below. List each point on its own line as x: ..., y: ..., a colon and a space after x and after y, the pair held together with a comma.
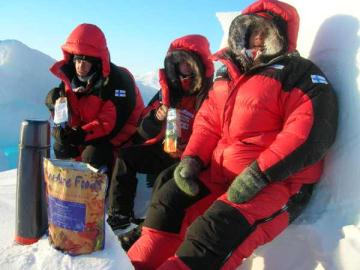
x: 35, y: 133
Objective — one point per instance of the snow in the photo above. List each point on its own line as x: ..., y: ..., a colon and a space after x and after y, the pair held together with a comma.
x: 326, y: 236
x: 25, y: 80
x: 225, y: 19
x: 150, y: 79
x: 149, y: 84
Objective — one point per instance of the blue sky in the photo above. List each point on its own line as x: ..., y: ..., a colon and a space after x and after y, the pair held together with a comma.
x: 138, y: 32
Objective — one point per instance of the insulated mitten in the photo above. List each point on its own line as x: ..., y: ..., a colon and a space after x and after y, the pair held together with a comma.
x: 247, y: 184
x: 150, y: 126
x: 75, y: 136
x: 68, y: 135
x: 185, y: 175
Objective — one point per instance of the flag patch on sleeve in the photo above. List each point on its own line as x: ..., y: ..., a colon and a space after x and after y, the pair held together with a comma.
x: 120, y: 93
x: 318, y: 79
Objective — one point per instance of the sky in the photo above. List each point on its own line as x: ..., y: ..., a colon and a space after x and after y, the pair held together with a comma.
x: 326, y: 236
x: 138, y: 32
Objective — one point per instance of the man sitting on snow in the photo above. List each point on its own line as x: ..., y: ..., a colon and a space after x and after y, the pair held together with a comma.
x: 256, y: 151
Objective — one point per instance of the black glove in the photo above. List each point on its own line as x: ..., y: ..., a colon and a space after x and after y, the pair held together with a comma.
x: 247, y: 184
x: 75, y: 136
x: 186, y: 173
x: 52, y: 96
x: 68, y: 135
x: 149, y: 126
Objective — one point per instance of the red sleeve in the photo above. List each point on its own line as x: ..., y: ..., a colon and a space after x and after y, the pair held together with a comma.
x: 73, y: 106
x: 103, y: 124
x: 206, y: 130
x: 165, y: 92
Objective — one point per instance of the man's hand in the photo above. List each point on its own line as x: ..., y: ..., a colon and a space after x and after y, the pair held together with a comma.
x: 75, y: 136
x: 247, y: 184
x: 68, y: 135
x: 161, y: 113
x: 176, y: 154
x: 185, y: 175
x: 52, y: 96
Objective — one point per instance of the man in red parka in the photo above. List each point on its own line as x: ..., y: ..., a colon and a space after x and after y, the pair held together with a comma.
x: 103, y: 100
x: 256, y: 151
x: 185, y: 81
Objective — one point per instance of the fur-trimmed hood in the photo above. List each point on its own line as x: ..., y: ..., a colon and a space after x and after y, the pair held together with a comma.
x: 197, y: 44
x: 194, y: 50
x: 280, y: 19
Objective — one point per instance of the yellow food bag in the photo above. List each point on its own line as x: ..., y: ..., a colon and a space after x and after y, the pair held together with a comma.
x: 76, y: 206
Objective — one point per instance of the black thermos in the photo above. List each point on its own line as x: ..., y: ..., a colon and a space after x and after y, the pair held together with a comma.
x: 31, y: 209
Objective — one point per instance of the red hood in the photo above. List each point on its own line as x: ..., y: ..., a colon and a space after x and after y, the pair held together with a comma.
x: 287, y: 12
x: 85, y: 39
x: 197, y: 44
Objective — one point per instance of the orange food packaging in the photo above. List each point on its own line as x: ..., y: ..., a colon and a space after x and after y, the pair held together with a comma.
x: 76, y: 206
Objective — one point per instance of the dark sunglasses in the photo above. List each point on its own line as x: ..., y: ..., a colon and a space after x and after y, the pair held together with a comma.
x: 85, y: 58
x: 186, y: 76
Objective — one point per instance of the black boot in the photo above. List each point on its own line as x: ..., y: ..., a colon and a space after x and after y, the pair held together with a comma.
x: 129, y: 238
x: 118, y: 222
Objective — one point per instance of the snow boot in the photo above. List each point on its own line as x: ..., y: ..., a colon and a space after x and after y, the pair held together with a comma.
x: 129, y: 238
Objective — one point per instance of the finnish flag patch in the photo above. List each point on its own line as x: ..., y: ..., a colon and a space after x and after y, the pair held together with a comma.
x: 318, y: 79
x: 120, y: 93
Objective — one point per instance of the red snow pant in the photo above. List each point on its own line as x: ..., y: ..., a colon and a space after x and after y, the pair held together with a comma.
x: 208, y: 231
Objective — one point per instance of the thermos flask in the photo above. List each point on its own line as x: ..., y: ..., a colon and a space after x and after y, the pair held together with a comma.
x: 31, y: 208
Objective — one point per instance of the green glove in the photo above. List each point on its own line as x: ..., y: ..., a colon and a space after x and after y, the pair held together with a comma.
x: 247, y: 184
x: 185, y: 175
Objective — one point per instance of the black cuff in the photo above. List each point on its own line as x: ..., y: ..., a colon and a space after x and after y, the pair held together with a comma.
x: 197, y: 159
x: 150, y: 126
x: 256, y: 172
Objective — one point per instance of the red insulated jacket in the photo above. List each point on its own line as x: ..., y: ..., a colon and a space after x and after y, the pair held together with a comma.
x: 281, y: 114
x: 111, y: 109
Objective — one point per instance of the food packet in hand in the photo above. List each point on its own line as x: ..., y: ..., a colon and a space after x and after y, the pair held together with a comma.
x: 61, y: 113
x: 173, y: 131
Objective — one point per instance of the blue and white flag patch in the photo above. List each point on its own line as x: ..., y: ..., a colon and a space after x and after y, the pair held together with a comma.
x: 318, y: 79
x: 120, y: 93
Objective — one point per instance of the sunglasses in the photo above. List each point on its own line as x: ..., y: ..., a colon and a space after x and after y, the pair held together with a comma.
x: 186, y: 76
x: 78, y: 60
x: 85, y: 58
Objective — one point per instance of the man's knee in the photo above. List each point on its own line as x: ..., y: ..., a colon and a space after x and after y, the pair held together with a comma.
x: 168, y: 207
x: 212, y: 237
x: 63, y: 151
x: 98, y: 155
x: 163, y: 177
